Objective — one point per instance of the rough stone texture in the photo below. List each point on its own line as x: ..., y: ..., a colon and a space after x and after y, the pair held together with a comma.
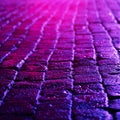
x: 88, y: 114
x: 113, y: 90
x: 87, y: 78
x: 115, y: 104
x: 59, y: 60
x: 88, y: 89
x: 56, y: 109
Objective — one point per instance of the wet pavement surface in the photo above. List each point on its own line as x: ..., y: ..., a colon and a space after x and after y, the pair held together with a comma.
x: 60, y: 60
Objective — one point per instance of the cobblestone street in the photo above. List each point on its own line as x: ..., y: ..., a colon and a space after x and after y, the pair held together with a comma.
x: 60, y: 60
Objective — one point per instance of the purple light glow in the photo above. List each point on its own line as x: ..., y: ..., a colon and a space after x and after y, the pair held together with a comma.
x: 59, y: 60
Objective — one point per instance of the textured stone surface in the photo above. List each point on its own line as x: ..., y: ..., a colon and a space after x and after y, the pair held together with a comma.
x: 113, y: 90
x: 115, y: 104
x: 60, y: 60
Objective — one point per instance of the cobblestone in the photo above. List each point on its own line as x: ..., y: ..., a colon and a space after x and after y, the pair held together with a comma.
x: 60, y: 60
x: 114, y: 104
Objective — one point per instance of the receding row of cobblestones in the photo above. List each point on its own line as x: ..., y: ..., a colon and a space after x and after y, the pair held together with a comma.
x: 60, y: 60
x: 110, y: 70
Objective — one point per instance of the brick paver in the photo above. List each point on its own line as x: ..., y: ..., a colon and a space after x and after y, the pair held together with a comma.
x: 60, y: 60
